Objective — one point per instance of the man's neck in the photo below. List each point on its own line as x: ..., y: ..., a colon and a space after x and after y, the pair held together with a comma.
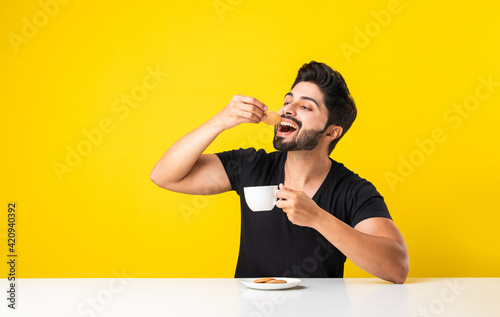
x: 306, y: 170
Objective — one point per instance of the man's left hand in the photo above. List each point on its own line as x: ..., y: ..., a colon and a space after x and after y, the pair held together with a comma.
x: 300, y: 209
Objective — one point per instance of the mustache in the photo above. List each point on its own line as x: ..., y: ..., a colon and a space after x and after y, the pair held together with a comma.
x: 299, y: 123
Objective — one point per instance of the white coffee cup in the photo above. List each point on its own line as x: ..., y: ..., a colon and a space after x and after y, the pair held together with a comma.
x: 261, y: 198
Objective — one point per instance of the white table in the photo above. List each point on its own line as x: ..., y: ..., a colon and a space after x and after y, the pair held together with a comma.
x: 229, y: 297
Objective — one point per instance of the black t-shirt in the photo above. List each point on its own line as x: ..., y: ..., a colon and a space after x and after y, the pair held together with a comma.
x: 270, y: 245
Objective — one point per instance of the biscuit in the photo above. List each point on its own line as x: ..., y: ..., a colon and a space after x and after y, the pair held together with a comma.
x: 276, y: 282
x: 263, y: 280
x: 272, y: 118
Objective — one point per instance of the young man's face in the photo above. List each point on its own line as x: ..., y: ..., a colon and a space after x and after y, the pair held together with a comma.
x: 304, y: 117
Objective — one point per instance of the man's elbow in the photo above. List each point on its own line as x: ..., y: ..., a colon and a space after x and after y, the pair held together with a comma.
x: 400, y: 279
x: 401, y: 265
x: 156, y: 178
x: 400, y: 274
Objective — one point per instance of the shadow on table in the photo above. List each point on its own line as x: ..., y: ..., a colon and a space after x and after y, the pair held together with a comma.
x: 336, y: 298
x: 299, y: 301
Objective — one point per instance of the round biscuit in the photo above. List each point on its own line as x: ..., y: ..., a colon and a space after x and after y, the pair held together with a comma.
x: 276, y: 282
x: 272, y: 118
x: 263, y: 280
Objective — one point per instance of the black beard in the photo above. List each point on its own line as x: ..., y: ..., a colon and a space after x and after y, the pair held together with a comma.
x: 306, y: 141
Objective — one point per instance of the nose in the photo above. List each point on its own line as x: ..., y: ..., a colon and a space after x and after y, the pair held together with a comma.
x: 288, y: 110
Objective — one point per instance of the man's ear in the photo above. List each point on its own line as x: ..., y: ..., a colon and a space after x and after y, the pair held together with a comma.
x: 333, y: 132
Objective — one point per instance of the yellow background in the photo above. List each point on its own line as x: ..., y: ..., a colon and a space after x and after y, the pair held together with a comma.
x: 407, y: 76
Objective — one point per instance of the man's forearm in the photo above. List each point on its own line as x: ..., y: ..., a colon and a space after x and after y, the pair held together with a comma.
x: 383, y: 257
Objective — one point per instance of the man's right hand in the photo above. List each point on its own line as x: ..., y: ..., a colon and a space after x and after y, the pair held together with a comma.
x: 241, y: 109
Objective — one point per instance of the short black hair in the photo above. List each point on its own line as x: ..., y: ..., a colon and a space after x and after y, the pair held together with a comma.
x: 338, y: 100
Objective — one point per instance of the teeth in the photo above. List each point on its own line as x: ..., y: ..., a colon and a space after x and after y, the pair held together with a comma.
x: 286, y: 124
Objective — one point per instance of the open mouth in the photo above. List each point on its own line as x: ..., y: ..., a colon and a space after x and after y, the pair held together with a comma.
x: 286, y: 127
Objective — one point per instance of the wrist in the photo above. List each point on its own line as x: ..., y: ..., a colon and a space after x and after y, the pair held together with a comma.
x: 216, y: 124
x: 322, y: 220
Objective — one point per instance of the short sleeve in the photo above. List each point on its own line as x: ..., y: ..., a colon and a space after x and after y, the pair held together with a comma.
x: 367, y: 203
x: 249, y: 167
x: 228, y: 159
x: 233, y: 162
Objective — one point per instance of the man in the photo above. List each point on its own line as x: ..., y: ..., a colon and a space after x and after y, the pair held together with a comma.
x: 325, y: 212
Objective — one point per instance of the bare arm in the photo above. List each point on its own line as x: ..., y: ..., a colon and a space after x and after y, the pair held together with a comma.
x: 374, y: 244
x: 184, y: 168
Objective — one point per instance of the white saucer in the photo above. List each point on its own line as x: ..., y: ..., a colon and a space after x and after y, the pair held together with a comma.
x: 290, y: 283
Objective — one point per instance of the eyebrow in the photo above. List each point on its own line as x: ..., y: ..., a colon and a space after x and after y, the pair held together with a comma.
x: 304, y: 97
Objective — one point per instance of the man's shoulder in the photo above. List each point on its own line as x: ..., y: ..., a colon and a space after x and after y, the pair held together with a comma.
x: 346, y: 177
x: 253, y: 152
x: 340, y: 171
x: 260, y: 151
x: 250, y: 158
